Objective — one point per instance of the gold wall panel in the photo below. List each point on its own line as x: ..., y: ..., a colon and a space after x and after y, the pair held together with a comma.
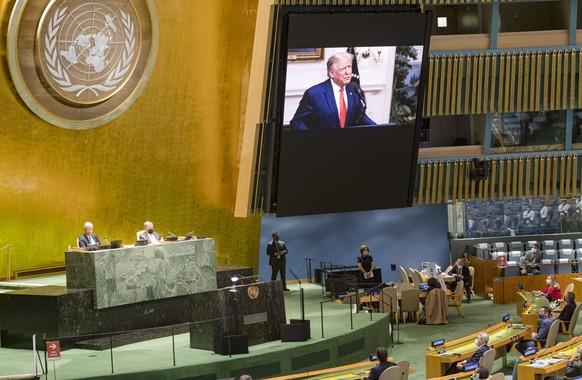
x: 172, y: 157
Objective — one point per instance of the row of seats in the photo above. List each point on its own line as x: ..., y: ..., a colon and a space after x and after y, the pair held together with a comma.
x: 516, y: 249
x: 558, y: 256
x: 527, y: 245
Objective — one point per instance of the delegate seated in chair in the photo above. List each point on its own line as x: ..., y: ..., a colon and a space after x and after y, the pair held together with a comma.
x: 461, y: 273
x: 542, y: 334
x: 481, y: 342
x: 567, y: 311
x: 530, y: 262
x: 573, y: 368
x: 383, y: 364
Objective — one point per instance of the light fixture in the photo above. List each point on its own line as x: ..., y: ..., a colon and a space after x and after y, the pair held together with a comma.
x: 368, y: 52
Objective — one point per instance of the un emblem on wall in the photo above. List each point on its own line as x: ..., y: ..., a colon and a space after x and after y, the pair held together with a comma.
x: 90, y: 59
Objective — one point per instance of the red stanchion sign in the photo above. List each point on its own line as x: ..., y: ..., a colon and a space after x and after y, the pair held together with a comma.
x: 53, y: 350
x: 502, y: 260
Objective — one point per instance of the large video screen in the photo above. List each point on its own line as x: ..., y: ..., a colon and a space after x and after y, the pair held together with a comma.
x: 347, y: 97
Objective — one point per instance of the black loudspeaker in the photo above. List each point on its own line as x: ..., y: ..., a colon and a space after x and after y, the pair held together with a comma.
x: 239, y: 344
x: 296, y: 331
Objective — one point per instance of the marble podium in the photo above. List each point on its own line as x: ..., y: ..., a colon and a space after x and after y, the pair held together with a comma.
x: 125, y: 291
x: 133, y: 274
x: 254, y: 310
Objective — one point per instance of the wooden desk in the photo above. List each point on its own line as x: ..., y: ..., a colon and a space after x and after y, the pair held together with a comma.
x: 577, y: 281
x: 376, y: 298
x: 528, y: 305
x: 500, y: 336
x: 350, y: 371
x: 541, y: 368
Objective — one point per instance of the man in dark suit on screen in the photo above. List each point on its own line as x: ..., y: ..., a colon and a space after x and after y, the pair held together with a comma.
x: 335, y: 103
x: 277, y: 250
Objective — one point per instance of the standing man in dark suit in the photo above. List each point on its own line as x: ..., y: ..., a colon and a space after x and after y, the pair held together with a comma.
x: 88, y: 238
x: 277, y: 250
x: 462, y: 272
x: 335, y: 103
x: 383, y: 364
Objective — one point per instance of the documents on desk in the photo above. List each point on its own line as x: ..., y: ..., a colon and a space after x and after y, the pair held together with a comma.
x: 548, y: 361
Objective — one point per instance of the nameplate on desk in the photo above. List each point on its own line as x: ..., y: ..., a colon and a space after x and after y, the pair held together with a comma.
x: 255, y: 318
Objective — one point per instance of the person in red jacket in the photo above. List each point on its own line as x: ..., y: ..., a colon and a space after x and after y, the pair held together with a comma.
x: 552, y: 289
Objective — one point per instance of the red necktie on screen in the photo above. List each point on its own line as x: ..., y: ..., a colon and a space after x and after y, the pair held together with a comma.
x: 343, y: 109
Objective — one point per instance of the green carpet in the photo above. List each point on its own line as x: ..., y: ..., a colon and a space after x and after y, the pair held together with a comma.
x: 154, y: 359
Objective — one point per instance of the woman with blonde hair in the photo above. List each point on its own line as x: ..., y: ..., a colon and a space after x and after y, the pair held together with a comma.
x: 552, y: 290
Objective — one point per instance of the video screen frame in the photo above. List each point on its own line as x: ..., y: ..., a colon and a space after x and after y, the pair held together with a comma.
x: 289, y: 48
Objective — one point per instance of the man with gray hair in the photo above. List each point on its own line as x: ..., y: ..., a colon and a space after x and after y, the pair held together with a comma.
x: 88, y: 238
x: 149, y: 234
x: 334, y: 103
x: 481, y: 342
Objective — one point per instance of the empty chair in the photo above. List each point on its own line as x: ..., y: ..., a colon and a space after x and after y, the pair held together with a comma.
x: 547, y: 267
x: 436, y: 307
x: 488, y: 359
x: 496, y: 248
x: 391, y: 373
x: 569, y: 330
x: 405, y: 278
x: 456, y: 299
x: 409, y: 303
x: 565, y: 244
x: 482, y: 250
x: 515, y: 255
x: 578, y: 243
x: 416, y: 277
x: 512, y: 268
x: 549, y: 244
x: 389, y: 301
x: 405, y: 367
x: 405, y: 286
x: 569, y: 288
x: 415, y: 281
x: 516, y: 246
x: 566, y: 258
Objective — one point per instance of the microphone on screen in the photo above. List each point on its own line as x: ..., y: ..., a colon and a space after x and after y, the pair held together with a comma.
x: 360, y: 93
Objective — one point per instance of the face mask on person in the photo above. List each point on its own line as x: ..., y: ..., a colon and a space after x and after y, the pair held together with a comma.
x: 548, y: 282
x: 540, y: 315
x: 477, y: 341
x: 150, y: 231
x: 474, y: 376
